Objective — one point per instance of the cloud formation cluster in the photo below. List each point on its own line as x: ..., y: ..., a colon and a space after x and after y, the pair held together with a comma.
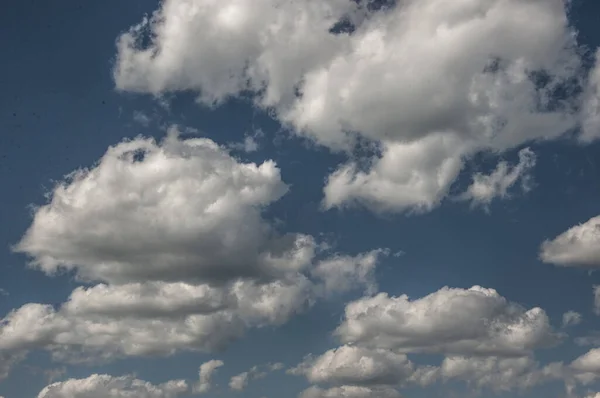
x: 171, y: 240
x: 499, y: 74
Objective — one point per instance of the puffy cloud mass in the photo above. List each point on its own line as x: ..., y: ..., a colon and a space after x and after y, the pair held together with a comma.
x: 102, y: 386
x: 487, y: 342
x: 578, y: 246
x: 173, y: 232
x: 453, y: 321
x: 491, y: 80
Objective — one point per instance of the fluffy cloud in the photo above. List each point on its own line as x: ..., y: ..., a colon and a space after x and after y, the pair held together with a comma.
x: 350, y: 392
x: 485, y: 188
x: 499, y: 374
x: 453, y: 321
x: 578, y: 246
x: 591, y: 113
x: 205, y: 375
x: 350, y: 365
x: 490, y: 83
x: 487, y: 342
x: 175, y: 233
x: 132, y: 217
x: 102, y: 386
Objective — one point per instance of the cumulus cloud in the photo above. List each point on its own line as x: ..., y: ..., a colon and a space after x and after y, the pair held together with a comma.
x: 578, y: 246
x: 452, y: 321
x: 102, y: 386
x: 174, y: 233
x: 486, y: 188
x: 206, y: 372
x: 132, y: 217
x: 350, y: 392
x: 591, y: 111
x: 570, y: 318
x: 490, y: 83
x: 499, y: 374
x: 486, y: 341
x: 350, y: 365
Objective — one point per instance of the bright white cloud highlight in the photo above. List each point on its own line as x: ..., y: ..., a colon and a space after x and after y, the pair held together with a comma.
x: 489, y: 83
x: 103, y: 386
x: 175, y: 233
x: 453, y: 321
x: 578, y: 246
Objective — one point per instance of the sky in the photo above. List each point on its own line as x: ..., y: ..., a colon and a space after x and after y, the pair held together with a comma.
x: 300, y: 198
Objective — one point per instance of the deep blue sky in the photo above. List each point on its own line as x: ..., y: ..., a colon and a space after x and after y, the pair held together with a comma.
x: 59, y: 111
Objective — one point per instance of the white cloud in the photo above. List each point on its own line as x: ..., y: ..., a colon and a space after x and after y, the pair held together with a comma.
x: 250, y: 143
x: 206, y: 372
x: 478, y: 92
x: 350, y: 392
x: 578, y: 246
x: 102, y: 386
x: 499, y: 374
x: 571, y: 318
x: 401, y: 178
x: 451, y: 321
x: 175, y: 232
x: 130, y: 218
x: 349, y: 365
x: 486, y: 188
x: 591, y: 110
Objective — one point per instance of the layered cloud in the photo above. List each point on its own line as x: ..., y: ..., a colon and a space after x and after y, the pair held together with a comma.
x: 485, y: 340
x: 578, y: 246
x: 336, y: 70
x: 453, y: 321
x: 172, y: 232
x: 102, y: 386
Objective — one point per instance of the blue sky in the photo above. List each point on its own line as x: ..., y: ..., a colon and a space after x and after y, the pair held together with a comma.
x: 295, y: 174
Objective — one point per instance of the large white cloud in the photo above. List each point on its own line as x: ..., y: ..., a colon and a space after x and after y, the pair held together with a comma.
x: 489, y: 83
x: 104, y: 386
x: 578, y: 246
x: 175, y: 233
x: 452, y: 321
x: 175, y: 210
